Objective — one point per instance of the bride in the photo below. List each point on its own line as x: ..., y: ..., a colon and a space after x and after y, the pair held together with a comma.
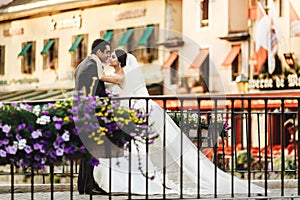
x: 131, y: 83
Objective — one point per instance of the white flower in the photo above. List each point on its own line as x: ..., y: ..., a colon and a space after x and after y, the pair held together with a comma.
x: 22, y: 144
x: 66, y: 136
x: 194, y: 116
x: 23, y: 106
x: 203, y: 118
x: 1, y: 104
x: 36, y: 110
x: 43, y: 120
x: 15, y: 144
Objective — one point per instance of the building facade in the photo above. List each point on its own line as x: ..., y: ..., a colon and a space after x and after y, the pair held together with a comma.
x: 192, y: 46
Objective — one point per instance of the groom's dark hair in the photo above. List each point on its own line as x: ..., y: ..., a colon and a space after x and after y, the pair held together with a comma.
x: 99, y: 44
x: 122, y: 56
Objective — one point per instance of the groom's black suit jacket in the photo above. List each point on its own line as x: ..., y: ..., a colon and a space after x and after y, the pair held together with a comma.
x: 84, y: 74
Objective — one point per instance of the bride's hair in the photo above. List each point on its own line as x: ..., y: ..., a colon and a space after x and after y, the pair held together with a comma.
x: 122, y: 56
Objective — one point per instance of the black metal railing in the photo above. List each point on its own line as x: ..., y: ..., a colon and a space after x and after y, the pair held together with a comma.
x: 261, y: 146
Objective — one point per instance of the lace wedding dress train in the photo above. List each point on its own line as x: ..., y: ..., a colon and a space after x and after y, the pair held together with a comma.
x: 174, y: 158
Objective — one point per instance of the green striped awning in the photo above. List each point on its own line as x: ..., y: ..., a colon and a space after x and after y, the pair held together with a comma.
x: 126, y: 36
x: 47, y: 46
x: 147, y: 33
x: 79, y: 38
x: 108, y: 35
x: 25, y: 49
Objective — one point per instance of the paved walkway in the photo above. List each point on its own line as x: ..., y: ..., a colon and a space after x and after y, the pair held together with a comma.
x: 62, y: 192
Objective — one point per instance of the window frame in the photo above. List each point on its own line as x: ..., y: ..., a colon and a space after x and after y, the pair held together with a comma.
x: 2, y: 60
x: 28, y: 60
x: 50, y: 59
x: 80, y: 52
x: 203, y: 17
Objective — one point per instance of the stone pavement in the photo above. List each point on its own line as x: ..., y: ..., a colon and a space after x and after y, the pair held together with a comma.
x: 62, y: 192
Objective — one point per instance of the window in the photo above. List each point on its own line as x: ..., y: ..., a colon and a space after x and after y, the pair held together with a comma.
x: 236, y: 65
x: 2, y: 60
x: 126, y: 41
x: 200, y: 66
x: 203, y: 13
x: 174, y: 70
x: 204, y: 73
x: 27, y: 56
x: 78, y: 49
x: 50, y: 54
x: 145, y: 40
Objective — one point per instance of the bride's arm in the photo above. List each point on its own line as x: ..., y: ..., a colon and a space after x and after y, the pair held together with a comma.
x: 117, y: 79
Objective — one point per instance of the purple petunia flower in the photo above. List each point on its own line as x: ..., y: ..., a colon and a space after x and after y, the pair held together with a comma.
x: 5, y: 128
x: 59, y: 152
x: 37, y: 157
x: 21, y: 126
x: 47, y: 134
x: 94, y: 162
x: 55, y: 119
x: 42, y: 149
x: 36, y: 146
x: 24, y: 163
x: 75, y: 131
x: 132, y: 134
x: 57, y: 126
x: 4, y: 142
x: 93, y: 103
x: 87, y: 108
x: 70, y: 118
x: 30, y: 128
x: 52, y: 154
x: 83, y: 149
x: 43, y: 112
x: 28, y: 149
x: 74, y: 110
x: 87, y: 116
x: 18, y: 136
x: 43, y: 168
x: 11, y: 149
x: 36, y: 134
x: 2, y: 153
x: 151, y: 142
x: 70, y: 150
x: 76, y: 119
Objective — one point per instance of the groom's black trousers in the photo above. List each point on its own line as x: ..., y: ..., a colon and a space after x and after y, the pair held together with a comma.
x: 86, y: 182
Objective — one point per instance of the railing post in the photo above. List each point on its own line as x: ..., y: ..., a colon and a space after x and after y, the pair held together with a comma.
x: 12, y: 180
x: 71, y: 179
x: 52, y: 181
x: 181, y: 149
x: 298, y: 144
x: 282, y: 147
x: 164, y: 150
x: 199, y: 145
x: 266, y: 146
x: 215, y: 147
x: 233, y: 147
x: 32, y: 180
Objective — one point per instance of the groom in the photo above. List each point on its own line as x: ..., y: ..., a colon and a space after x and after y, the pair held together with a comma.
x: 88, y: 69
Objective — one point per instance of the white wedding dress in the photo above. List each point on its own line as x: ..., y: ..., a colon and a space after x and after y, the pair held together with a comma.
x: 135, y: 86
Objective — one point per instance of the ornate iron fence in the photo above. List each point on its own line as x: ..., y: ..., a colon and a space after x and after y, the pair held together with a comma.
x: 261, y: 145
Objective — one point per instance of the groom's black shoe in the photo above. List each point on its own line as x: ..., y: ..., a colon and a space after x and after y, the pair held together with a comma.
x: 97, y: 191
